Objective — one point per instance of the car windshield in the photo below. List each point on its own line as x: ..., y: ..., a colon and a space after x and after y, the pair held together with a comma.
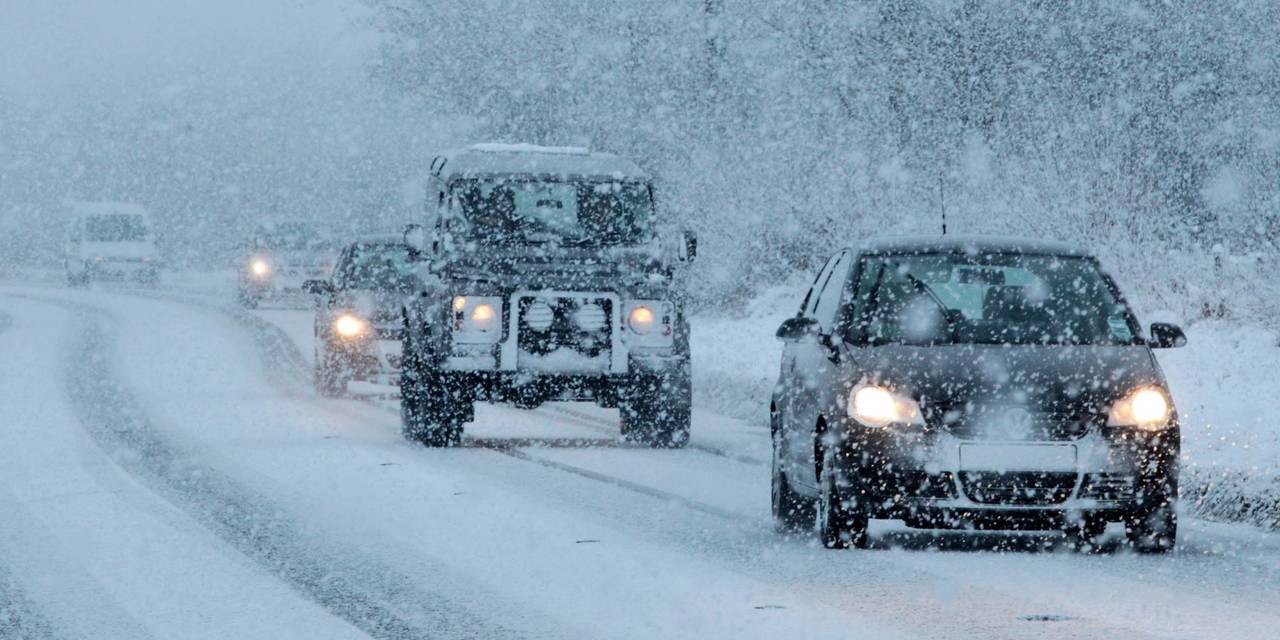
x: 586, y: 212
x: 991, y: 299
x: 116, y: 227
x: 382, y: 266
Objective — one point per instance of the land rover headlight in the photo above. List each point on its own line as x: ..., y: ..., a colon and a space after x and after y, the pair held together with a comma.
x: 642, y: 319
x: 875, y: 406
x: 477, y: 318
x: 650, y: 323
x: 349, y: 326
x: 260, y: 268
x: 1145, y: 408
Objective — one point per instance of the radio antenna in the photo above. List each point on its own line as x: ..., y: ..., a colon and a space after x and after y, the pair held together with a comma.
x: 942, y: 200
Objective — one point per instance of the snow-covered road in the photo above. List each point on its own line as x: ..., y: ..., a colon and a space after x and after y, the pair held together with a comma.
x: 166, y: 471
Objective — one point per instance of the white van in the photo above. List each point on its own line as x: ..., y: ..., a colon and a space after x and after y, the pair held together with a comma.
x: 110, y: 240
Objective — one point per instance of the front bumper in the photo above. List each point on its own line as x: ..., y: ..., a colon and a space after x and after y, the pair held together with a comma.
x: 509, y: 361
x: 929, y: 480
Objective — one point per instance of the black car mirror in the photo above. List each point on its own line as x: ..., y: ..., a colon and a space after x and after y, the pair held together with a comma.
x: 318, y: 287
x: 1167, y: 336
x: 797, y: 328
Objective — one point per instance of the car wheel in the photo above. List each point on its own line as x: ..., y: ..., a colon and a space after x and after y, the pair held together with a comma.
x: 842, y: 520
x: 432, y: 411
x: 792, y: 512
x: 330, y: 379
x: 1155, y: 531
x: 657, y: 410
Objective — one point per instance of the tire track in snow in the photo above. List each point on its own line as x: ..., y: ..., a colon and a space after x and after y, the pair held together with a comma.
x: 372, y: 597
x: 19, y: 617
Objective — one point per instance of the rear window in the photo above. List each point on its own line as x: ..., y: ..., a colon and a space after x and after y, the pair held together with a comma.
x: 116, y: 227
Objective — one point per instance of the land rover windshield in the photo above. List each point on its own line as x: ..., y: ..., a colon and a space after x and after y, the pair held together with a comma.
x: 576, y: 212
x: 992, y: 299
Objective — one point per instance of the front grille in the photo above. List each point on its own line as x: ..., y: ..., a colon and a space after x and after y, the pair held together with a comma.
x: 1014, y: 424
x: 548, y: 324
x: 1023, y: 488
x: 1109, y: 486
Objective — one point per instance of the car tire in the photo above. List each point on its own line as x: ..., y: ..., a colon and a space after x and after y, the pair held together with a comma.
x: 432, y: 410
x: 842, y: 519
x: 1154, y: 531
x: 657, y: 410
x: 329, y: 378
x: 792, y: 512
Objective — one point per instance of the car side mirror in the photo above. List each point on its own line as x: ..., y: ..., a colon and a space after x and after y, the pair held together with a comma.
x: 318, y: 287
x: 689, y: 246
x: 1167, y: 336
x: 797, y: 328
x: 415, y: 237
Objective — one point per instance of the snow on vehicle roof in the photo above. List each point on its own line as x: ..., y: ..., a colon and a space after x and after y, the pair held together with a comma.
x: 85, y: 208
x: 969, y: 244
x: 526, y: 159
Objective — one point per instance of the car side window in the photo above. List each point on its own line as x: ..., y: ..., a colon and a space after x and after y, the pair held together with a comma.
x: 828, y: 303
x: 811, y: 298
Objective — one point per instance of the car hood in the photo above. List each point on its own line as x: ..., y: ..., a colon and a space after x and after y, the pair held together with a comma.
x: 1037, y: 377
x: 382, y: 307
x: 564, y: 267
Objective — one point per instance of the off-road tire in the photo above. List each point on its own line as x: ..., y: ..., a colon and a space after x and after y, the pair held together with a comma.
x: 432, y: 408
x: 842, y: 520
x: 792, y: 512
x: 656, y: 410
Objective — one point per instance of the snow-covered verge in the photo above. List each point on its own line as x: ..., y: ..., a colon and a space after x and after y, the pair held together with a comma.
x: 1225, y: 382
x: 1227, y: 388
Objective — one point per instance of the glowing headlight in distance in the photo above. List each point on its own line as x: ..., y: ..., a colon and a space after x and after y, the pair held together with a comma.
x: 1147, y: 408
x: 260, y: 268
x: 641, y: 319
x: 349, y: 326
x: 876, y: 406
x: 459, y: 303
x: 483, y: 317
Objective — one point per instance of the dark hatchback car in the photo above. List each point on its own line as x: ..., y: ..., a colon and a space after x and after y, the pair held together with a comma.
x: 964, y: 382
x: 359, y: 326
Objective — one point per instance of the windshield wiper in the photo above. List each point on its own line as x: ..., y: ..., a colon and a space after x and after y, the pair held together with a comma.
x: 924, y: 288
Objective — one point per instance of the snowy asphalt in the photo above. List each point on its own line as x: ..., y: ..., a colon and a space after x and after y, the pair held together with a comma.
x: 166, y: 471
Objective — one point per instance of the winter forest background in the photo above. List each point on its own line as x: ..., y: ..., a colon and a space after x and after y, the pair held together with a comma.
x: 1149, y: 131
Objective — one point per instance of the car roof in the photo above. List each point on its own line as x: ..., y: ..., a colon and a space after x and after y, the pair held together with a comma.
x: 970, y: 244
x: 489, y: 159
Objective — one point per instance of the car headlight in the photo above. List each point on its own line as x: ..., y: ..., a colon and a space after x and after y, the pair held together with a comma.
x: 1146, y: 408
x: 477, y: 318
x: 260, y: 268
x: 650, y: 323
x: 349, y: 326
x: 876, y: 406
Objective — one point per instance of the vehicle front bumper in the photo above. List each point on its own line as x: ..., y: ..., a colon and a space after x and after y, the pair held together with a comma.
x: 927, y: 479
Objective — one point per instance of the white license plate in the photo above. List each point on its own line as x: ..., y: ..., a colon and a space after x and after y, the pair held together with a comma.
x: 1018, y: 457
